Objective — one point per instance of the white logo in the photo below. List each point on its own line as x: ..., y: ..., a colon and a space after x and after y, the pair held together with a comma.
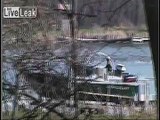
x: 19, y: 12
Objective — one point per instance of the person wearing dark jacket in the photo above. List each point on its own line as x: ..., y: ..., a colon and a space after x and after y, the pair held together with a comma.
x: 109, y: 66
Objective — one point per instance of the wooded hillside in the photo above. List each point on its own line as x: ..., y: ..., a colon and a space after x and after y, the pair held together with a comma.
x: 110, y: 12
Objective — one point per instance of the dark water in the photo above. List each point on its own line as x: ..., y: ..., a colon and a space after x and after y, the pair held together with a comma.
x: 136, y: 57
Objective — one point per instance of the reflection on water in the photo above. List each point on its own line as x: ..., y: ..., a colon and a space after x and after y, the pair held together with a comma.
x: 136, y: 57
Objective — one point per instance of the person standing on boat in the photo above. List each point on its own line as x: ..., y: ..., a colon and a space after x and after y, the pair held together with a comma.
x: 109, y: 66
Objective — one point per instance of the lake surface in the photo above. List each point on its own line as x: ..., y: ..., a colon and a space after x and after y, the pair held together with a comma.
x: 136, y: 57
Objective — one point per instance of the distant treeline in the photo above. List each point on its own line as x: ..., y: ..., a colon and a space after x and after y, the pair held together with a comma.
x: 131, y: 14
x: 108, y: 13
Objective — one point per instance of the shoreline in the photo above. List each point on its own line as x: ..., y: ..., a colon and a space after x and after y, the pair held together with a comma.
x: 127, y: 39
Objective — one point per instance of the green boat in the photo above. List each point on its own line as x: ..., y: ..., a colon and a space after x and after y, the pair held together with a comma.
x: 103, y: 87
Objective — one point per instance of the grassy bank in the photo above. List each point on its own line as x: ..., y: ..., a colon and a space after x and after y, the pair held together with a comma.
x: 142, y: 116
x: 150, y: 114
x: 114, y: 31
